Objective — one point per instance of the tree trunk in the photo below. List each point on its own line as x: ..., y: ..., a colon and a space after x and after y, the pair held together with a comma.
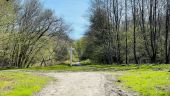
x: 134, y: 33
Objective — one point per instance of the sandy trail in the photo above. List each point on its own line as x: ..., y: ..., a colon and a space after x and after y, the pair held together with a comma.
x: 75, y: 84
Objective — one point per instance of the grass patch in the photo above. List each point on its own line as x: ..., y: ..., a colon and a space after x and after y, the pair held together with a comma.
x: 102, y: 67
x: 20, y: 84
x: 59, y: 67
x: 147, y: 82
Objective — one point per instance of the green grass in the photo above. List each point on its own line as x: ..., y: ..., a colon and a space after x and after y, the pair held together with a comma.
x: 59, y: 67
x: 102, y: 67
x: 147, y: 82
x: 147, y: 79
x: 20, y: 83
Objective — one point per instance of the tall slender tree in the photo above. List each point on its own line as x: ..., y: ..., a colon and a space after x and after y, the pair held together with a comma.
x: 134, y: 31
x: 167, y: 32
x: 126, y: 29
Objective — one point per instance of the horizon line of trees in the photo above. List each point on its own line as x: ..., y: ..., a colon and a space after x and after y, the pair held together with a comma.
x: 127, y: 31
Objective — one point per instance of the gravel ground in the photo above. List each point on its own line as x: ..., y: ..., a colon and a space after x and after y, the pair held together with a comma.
x: 81, y: 84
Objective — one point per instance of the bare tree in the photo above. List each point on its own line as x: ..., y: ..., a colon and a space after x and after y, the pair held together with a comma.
x: 126, y: 29
x: 134, y: 29
x: 167, y: 41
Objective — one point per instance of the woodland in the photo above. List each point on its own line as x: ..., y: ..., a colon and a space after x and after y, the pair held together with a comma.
x: 125, y: 50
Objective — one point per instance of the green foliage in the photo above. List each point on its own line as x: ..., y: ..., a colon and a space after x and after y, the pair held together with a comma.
x: 79, y: 47
x: 31, y: 37
x: 6, y: 12
x: 99, y: 38
x: 59, y: 67
x: 147, y: 82
x: 61, y: 54
x: 127, y: 34
x: 20, y: 84
x: 88, y: 66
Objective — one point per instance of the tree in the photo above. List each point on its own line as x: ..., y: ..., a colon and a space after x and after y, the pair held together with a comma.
x: 146, y: 36
x: 100, y: 35
x: 126, y: 28
x: 7, y: 15
x: 6, y: 12
x: 27, y: 34
x: 167, y: 31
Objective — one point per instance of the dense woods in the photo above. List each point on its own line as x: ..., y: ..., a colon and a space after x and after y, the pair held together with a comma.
x: 30, y: 34
x: 127, y: 31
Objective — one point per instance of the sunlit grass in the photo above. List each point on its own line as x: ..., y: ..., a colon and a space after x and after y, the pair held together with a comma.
x: 102, y: 67
x: 20, y: 84
x: 147, y: 79
x: 59, y: 67
x: 147, y: 82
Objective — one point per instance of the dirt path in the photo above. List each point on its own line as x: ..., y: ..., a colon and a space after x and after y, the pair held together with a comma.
x: 79, y: 84
x: 75, y: 84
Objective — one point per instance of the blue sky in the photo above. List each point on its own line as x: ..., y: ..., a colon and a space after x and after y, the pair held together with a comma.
x: 74, y: 12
